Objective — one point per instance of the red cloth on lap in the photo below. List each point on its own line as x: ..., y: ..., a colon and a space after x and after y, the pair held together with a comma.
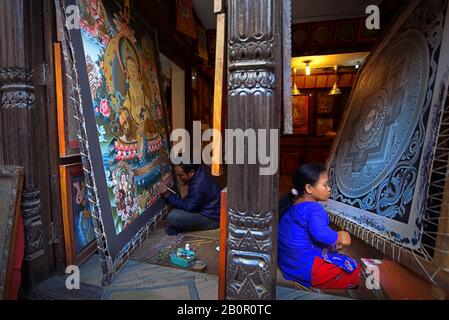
x: 328, y: 276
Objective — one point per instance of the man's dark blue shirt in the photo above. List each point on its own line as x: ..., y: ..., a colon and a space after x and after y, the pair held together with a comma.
x: 203, y: 195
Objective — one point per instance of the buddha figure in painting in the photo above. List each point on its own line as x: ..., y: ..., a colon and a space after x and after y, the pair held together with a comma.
x: 135, y: 116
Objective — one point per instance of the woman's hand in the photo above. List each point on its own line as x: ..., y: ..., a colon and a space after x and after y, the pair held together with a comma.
x: 344, y: 239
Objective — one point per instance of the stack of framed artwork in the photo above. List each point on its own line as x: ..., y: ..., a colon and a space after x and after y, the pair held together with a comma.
x: 68, y: 126
x: 79, y: 233
x: 11, y: 181
x: 124, y: 135
x: 79, y: 237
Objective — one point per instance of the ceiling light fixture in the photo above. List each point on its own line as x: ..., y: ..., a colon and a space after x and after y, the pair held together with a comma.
x: 308, y: 70
x: 335, y: 90
x: 295, y: 90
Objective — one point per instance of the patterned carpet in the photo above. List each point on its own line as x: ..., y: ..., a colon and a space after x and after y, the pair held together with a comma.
x: 158, y: 247
x: 149, y: 275
x: 142, y: 281
x: 205, y: 234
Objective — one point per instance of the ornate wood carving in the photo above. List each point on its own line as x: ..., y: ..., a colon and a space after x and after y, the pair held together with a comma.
x: 16, y: 90
x: 32, y: 219
x: 24, y: 128
x: 19, y: 117
x: 254, y: 67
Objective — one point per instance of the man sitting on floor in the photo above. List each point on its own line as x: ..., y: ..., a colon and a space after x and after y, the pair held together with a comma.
x: 200, y: 209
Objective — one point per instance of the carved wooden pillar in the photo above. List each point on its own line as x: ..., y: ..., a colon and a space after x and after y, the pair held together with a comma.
x: 254, y: 69
x: 21, y: 123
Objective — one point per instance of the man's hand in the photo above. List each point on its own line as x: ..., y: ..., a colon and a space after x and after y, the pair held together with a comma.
x: 163, y: 190
x: 344, y: 239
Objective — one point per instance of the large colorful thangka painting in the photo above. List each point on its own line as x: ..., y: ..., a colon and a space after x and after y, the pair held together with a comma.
x: 380, y: 163
x: 123, y: 110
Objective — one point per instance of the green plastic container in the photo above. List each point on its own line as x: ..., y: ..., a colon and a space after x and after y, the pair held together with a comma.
x: 182, y: 258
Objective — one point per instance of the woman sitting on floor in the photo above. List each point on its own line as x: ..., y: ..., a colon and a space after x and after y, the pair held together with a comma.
x: 307, y: 246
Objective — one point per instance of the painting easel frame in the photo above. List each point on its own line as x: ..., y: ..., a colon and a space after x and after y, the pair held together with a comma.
x: 75, y: 212
x: 124, y: 165
x: 11, y: 182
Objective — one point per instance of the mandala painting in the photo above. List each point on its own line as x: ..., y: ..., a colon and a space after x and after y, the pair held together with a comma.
x: 380, y: 163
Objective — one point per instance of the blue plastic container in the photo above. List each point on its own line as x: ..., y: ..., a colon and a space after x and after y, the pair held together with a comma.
x: 182, y: 257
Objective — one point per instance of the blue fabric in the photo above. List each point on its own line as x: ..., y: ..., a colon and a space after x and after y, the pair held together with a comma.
x: 340, y: 260
x: 304, y: 233
x: 203, y: 196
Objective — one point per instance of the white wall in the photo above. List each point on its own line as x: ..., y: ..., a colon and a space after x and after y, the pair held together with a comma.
x: 165, y: 65
x: 177, y: 75
x: 178, y: 97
